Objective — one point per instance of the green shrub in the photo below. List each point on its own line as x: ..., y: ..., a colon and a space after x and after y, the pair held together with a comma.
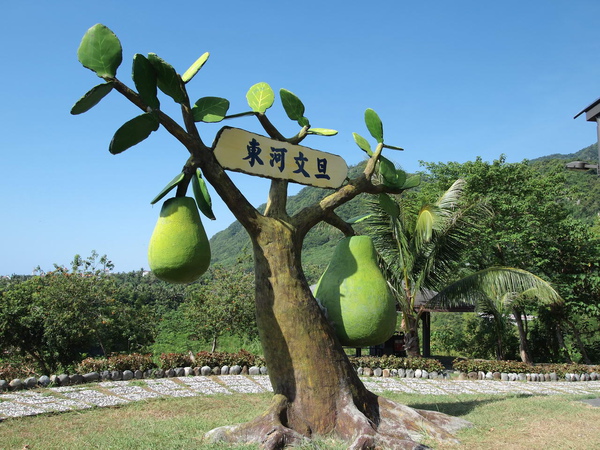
x: 92, y: 365
x: 395, y: 362
x: 172, y: 360
x: 131, y: 361
x: 9, y: 371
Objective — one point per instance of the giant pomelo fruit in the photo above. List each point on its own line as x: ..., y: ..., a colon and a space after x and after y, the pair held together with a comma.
x: 358, y: 300
x: 179, y: 251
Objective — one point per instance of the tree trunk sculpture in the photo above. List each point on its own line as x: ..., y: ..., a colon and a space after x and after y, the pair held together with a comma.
x: 317, y: 391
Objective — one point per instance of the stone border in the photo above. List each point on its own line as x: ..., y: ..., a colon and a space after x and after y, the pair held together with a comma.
x: 473, y: 376
x: 116, y: 375
x: 126, y: 375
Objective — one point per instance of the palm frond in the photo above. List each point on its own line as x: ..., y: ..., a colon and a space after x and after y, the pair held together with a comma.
x: 449, y: 199
x: 495, y: 282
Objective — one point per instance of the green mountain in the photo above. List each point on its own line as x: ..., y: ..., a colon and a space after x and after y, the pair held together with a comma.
x: 233, y: 244
x: 584, y: 186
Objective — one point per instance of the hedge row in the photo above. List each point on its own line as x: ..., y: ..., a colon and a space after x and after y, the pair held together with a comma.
x: 395, y: 362
x: 481, y: 365
x: 136, y: 361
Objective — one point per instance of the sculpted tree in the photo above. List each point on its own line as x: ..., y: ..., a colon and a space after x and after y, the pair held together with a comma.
x: 317, y: 391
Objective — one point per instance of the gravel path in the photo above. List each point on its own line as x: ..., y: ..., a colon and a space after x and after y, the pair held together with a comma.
x: 69, y: 398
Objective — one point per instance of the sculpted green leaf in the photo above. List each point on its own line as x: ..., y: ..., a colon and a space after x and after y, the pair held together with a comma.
x: 100, y: 51
x: 91, y: 98
x: 167, y: 78
x: 174, y: 182
x: 389, y: 205
x: 362, y: 143
x: 260, y: 97
x: 194, y: 68
x: 210, y: 109
x: 133, y: 132
x: 412, y: 182
x: 322, y: 131
x: 391, y: 176
x: 293, y: 106
x: 374, y: 125
x: 145, y: 79
x: 303, y: 122
x: 202, y: 196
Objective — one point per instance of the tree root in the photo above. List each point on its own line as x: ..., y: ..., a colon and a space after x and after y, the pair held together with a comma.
x: 268, y: 429
x: 383, y: 425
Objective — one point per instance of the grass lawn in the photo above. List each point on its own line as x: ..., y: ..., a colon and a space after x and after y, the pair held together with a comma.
x: 500, y: 422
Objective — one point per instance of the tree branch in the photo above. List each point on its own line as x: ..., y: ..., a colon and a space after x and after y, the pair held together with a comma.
x: 172, y: 127
x: 270, y: 128
x: 308, y: 217
x: 336, y: 221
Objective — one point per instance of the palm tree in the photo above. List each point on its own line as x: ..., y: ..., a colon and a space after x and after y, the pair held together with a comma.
x: 420, y: 253
x: 498, y: 292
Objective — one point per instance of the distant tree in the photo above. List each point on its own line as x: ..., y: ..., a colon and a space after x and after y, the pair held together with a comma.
x: 55, y: 317
x: 222, y: 303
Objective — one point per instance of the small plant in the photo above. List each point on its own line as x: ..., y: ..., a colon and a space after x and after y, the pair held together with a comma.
x: 172, y: 360
x: 92, y: 365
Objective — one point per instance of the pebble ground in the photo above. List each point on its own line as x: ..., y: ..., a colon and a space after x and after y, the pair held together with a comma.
x: 111, y: 393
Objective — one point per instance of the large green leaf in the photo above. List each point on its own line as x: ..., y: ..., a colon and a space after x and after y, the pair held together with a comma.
x: 202, y: 196
x: 303, y: 122
x: 168, y: 80
x: 260, y: 97
x: 362, y: 143
x: 91, y: 98
x: 322, y: 131
x: 145, y: 79
x: 100, y: 51
x: 391, y: 176
x: 374, y: 124
x: 210, y: 109
x: 133, y: 132
x: 194, y: 68
x: 174, y: 182
x: 412, y: 182
x: 389, y: 205
x: 293, y: 106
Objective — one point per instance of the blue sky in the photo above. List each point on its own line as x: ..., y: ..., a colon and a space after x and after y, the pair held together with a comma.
x: 450, y: 80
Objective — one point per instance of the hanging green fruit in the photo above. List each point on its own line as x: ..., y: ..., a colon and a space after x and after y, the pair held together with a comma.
x: 356, y: 295
x: 179, y: 251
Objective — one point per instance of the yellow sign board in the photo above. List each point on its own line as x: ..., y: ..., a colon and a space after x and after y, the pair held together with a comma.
x: 250, y: 153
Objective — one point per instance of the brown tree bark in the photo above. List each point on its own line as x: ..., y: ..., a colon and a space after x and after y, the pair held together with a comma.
x: 410, y: 325
x: 523, y: 347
